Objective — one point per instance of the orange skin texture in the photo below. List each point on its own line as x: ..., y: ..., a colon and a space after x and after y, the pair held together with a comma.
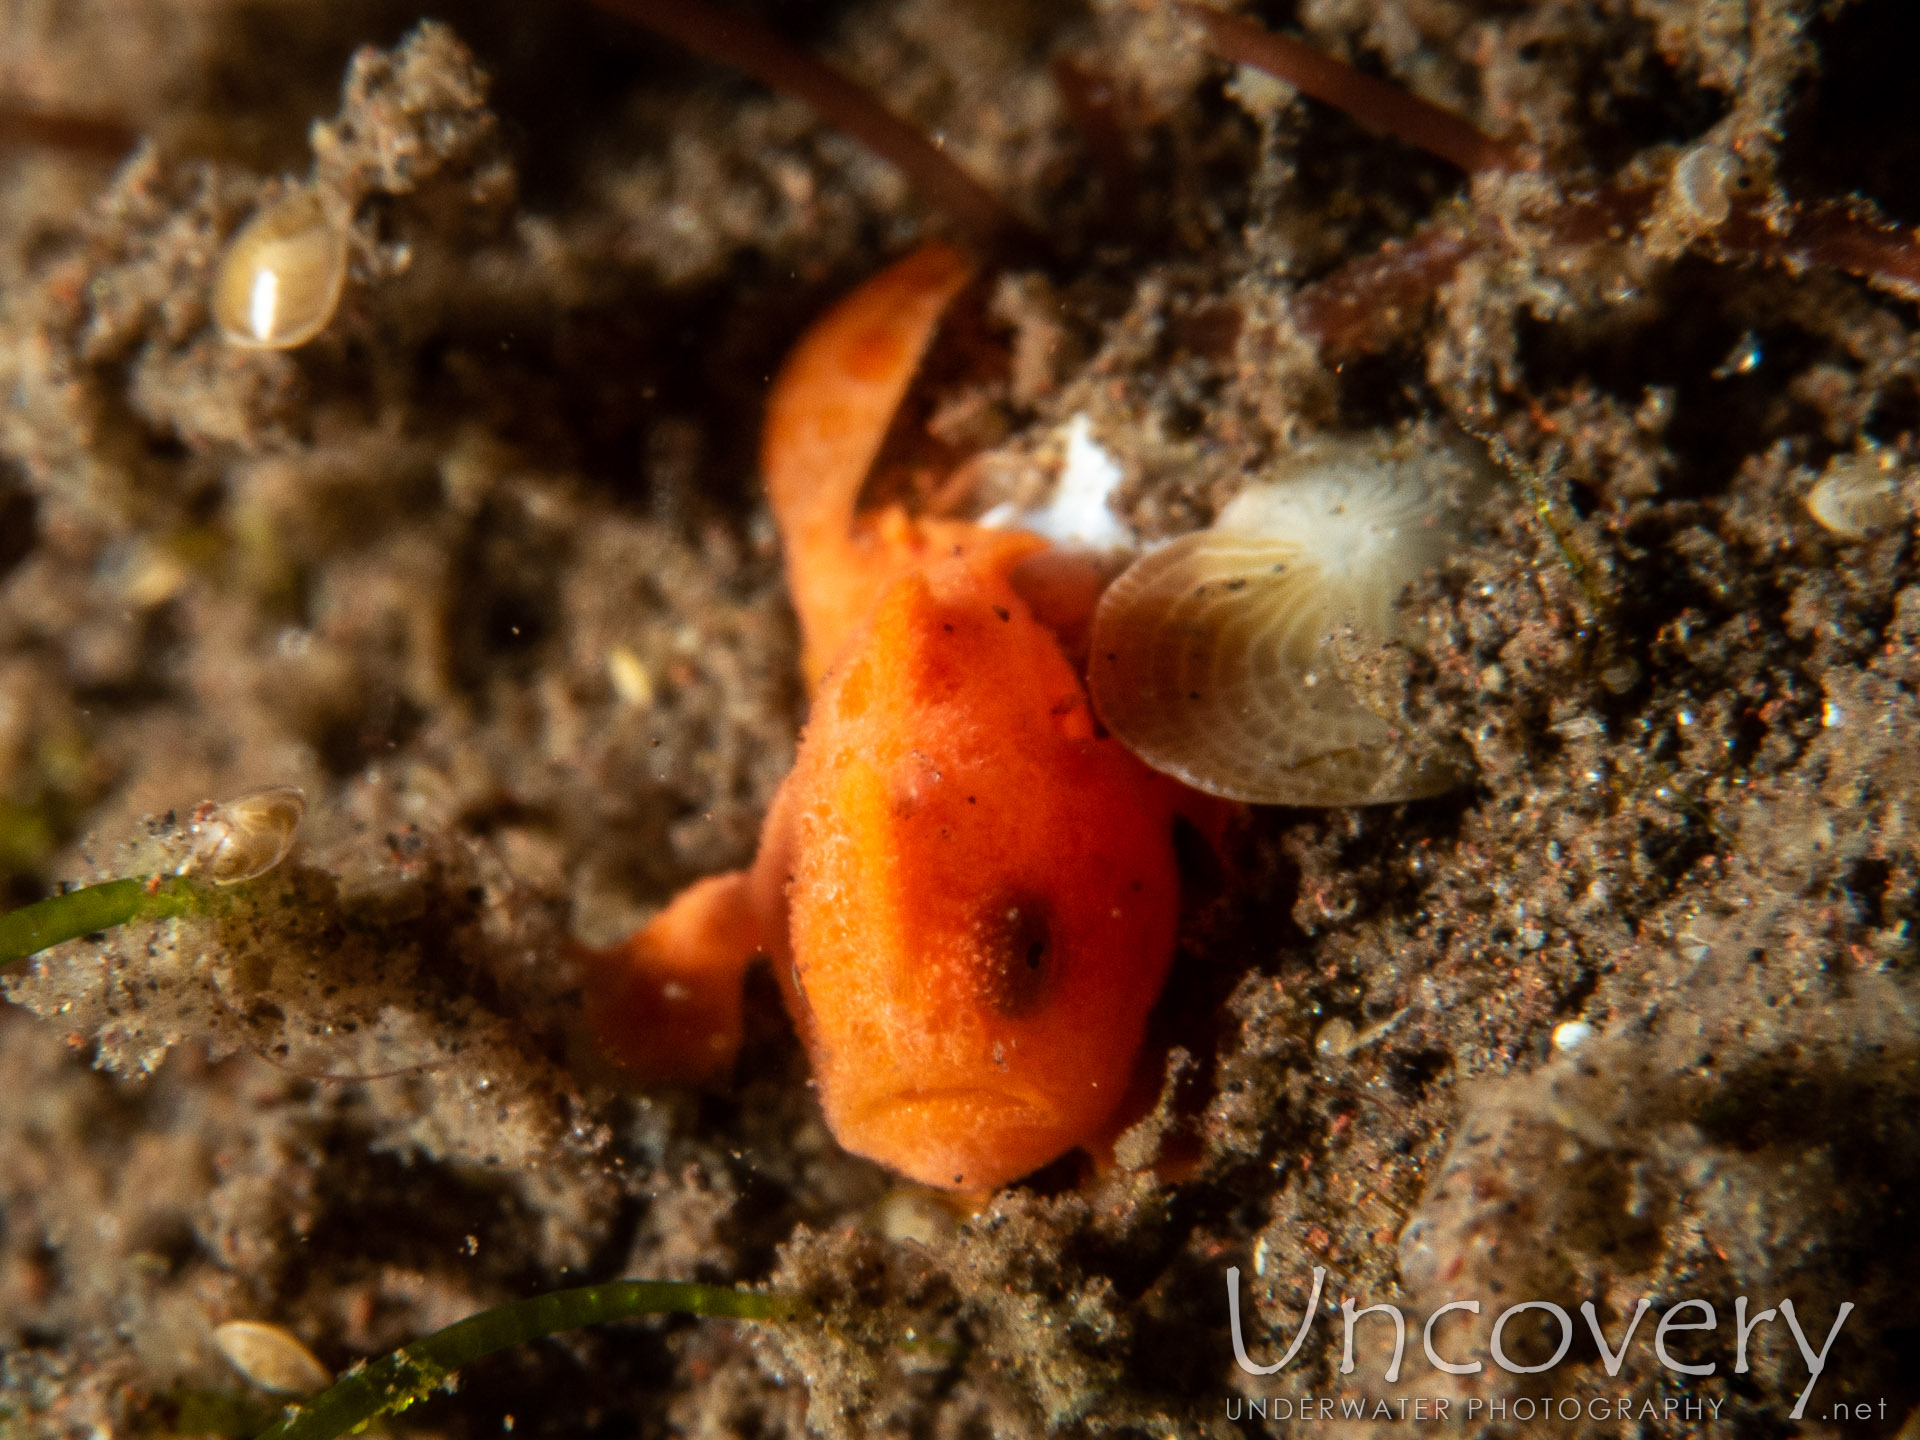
x: 968, y: 894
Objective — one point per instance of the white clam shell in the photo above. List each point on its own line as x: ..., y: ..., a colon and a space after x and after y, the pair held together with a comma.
x: 246, y: 837
x: 1857, y: 497
x: 1257, y: 660
x: 272, y: 1357
x: 280, y: 278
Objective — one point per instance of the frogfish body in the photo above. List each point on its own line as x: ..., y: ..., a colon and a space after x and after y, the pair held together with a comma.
x: 968, y: 893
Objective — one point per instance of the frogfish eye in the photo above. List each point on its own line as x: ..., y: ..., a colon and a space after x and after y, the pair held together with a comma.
x: 1016, y: 944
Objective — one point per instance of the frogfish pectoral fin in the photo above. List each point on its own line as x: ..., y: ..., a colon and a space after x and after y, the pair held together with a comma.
x: 666, y: 1004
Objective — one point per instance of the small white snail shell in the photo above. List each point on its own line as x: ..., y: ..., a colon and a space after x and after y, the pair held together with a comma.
x: 1857, y: 496
x: 1705, y: 179
x: 280, y: 279
x: 1254, y: 660
x: 245, y: 838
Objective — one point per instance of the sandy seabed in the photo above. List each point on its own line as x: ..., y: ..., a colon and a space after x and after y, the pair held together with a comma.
x: 484, y: 569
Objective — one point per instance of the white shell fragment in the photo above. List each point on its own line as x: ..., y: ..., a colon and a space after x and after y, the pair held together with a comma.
x: 1259, y: 660
x: 1570, y: 1035
x: 1081, y: 511
x: 280, y: 279
x: 1335, y: 1038
x: 245, y: 838
x: 271, y: 1357
x: 1858, y: 496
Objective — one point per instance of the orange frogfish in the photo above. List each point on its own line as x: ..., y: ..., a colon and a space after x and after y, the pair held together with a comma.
x: 967, y: 892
